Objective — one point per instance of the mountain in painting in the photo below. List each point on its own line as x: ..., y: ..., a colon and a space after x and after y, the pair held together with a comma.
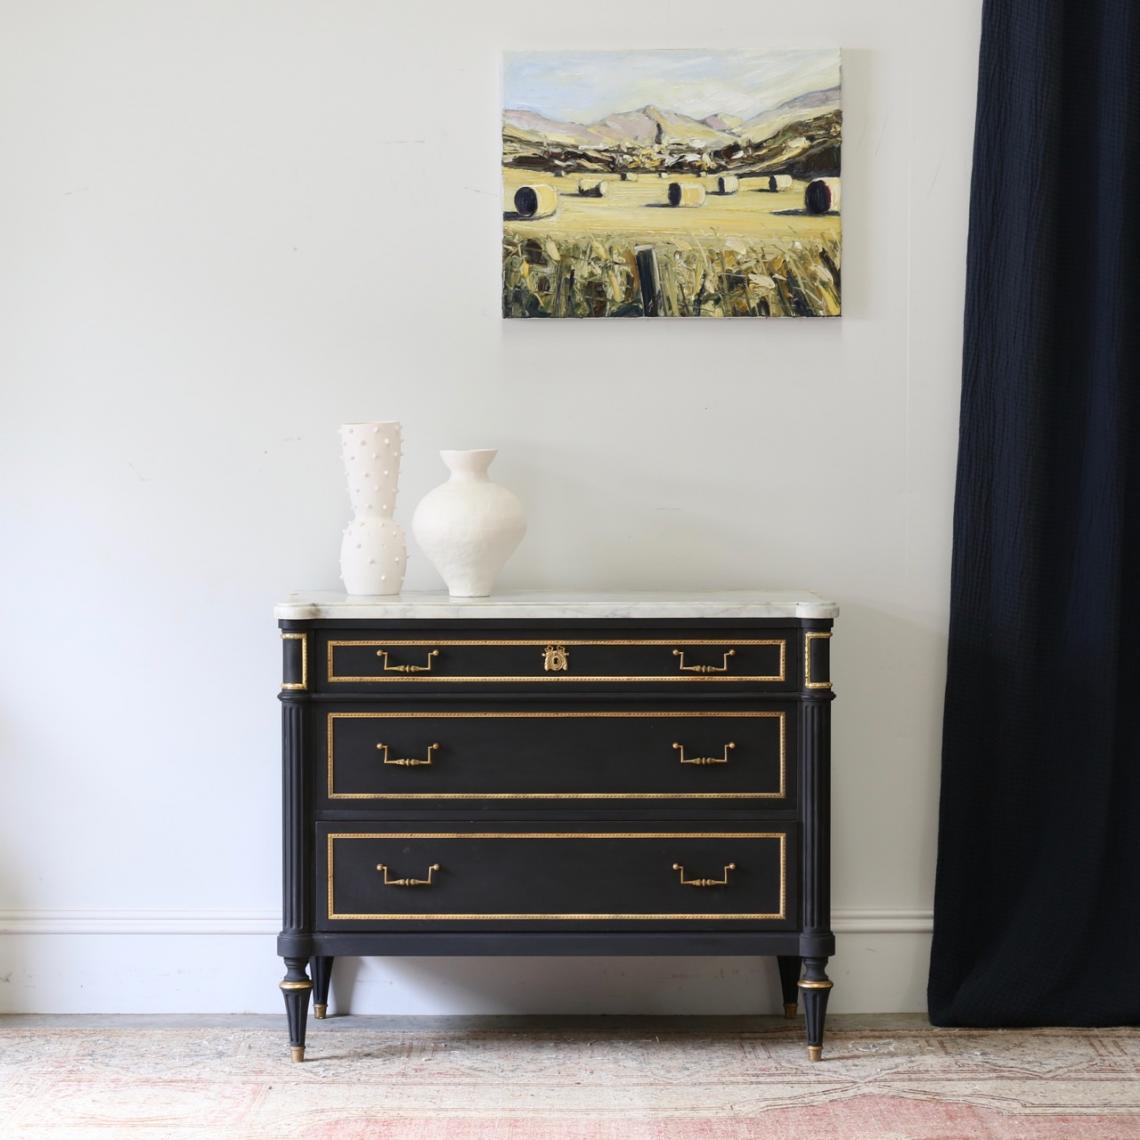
x: 802, y: 108
x: 649, y: 126
x: 803, y: 148
x: 533, y: 127
x: 720, y: 122
x: 656, y: 126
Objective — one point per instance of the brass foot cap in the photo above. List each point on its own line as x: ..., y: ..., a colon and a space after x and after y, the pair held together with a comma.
x: 815, y: 1052
x: 297, y: 1052
x: 320, y: 1010
x: 790, y: 1009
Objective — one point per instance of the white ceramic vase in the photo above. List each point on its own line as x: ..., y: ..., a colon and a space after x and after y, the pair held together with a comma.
x: 468, y: 527
x: 373, y: 555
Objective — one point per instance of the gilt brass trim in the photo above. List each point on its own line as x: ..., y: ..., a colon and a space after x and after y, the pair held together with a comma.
x: 781, y: 836
x: 330, y: 761
x: 303, y: 638
x: 810, y: 985
x: 335, y: 678
x: 809, y: 637
x: 296, y: 985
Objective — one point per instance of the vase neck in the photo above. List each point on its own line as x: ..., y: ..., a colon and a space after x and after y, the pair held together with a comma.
x: 469, y: 466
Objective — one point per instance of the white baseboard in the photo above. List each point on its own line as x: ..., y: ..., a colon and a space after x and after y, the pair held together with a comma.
x: 139, y: 922
x: 214, y: 961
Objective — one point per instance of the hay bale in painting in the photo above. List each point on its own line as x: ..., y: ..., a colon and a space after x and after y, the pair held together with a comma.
x: 536, y: 201
x: 779, y: 182
x: 822, y: 196
x: 686, y: 194
x: 727, y: 184
x: 628, y: 176
x: 592, y: 188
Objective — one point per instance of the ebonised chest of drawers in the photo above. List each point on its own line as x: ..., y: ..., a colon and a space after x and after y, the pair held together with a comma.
x: 540, y: 774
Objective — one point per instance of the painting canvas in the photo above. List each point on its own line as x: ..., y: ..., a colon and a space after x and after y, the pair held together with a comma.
x: 671, y: 184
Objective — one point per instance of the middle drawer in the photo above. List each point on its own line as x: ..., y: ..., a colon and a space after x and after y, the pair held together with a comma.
x: 735, y: 755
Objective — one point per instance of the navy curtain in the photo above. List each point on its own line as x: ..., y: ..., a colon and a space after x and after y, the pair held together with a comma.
x: 1037, y: 904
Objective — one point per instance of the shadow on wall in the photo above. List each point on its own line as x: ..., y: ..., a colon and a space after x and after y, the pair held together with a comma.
x: 668, y: 520
x: 13, y: 957
x: 858, y: 158
x: 889, y: 671
x: 543, y: 985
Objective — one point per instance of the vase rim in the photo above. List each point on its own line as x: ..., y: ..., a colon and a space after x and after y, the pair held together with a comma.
x: 469, y: 465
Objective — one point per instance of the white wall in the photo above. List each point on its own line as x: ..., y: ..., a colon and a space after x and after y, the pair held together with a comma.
x: 229, y: 225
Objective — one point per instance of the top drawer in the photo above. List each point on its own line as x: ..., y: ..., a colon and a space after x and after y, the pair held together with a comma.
x: 757, y: 657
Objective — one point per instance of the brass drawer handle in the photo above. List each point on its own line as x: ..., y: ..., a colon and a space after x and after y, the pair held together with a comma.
x: 408, y: 882
x: 703, y: 761
x: 703, y: 668
x: 407, y: 761
x: 426, y: 668
x: 704, y: 882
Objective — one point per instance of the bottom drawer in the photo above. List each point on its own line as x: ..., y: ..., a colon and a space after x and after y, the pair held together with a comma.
x: 382, y: 875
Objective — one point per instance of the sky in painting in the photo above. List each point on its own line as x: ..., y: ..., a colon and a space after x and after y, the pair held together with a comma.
x: 582, y: 87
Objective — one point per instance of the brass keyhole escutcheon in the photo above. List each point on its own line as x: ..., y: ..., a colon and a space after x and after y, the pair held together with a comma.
x: 556, y: 659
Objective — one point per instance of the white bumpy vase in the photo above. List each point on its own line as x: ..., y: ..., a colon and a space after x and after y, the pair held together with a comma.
x: 373, y: 554
x: 468, y: 527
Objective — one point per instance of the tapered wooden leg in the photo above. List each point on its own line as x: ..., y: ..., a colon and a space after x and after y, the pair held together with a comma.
x: 322, y: 976
x: 296, y: 987
x: 815, y: 987
x: 790, y: 967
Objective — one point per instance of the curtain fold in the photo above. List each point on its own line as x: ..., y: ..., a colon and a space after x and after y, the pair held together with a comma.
x: 1037, y: 900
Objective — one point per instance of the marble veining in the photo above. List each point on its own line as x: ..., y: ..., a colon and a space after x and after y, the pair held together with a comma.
x: 546, y: 604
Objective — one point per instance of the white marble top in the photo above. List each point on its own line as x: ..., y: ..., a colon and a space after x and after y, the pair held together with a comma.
x: 545, y: 604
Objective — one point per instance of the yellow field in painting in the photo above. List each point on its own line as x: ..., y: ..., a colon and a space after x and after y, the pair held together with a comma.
x: 753, y: 253
x: 640, y: 210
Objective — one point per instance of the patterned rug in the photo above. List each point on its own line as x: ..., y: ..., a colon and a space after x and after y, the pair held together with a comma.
x: 596, y: 1079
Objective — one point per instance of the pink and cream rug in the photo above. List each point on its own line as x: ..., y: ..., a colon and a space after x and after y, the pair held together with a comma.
x: 603, y: 1079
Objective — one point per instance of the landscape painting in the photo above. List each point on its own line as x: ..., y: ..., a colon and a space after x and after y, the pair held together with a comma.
x: 671, y: 184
